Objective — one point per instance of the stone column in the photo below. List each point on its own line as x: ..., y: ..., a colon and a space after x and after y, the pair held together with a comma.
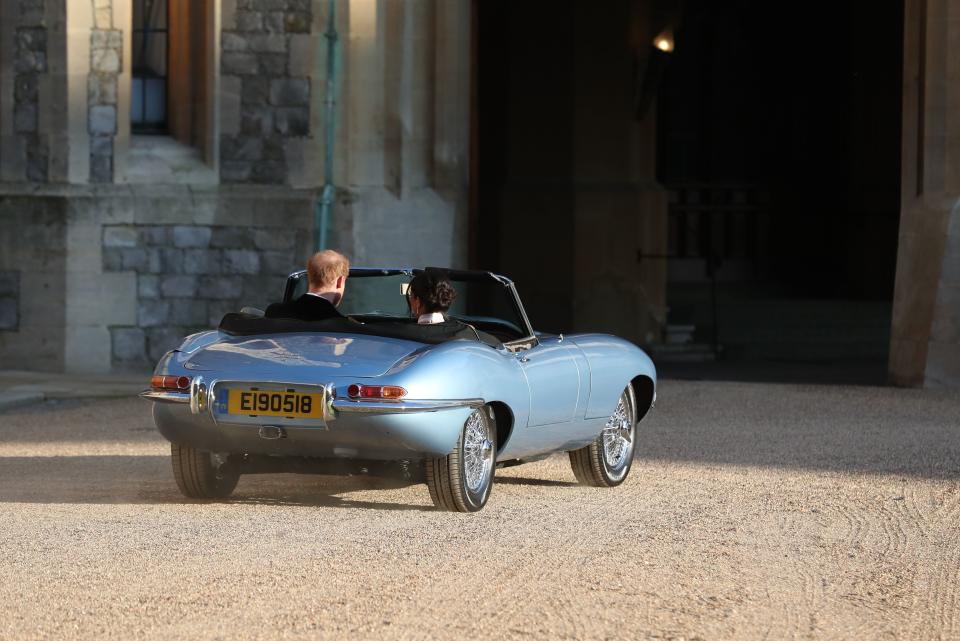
x: 9, y: 169
x: 362, y: 90
x: 943, y: 358
x: 106, y: 63
x: 620, y: 211
x: 80, y: 20
x: 94, y: 297
x: 308, y: 59
x: 925, y: 330
x: 394, y: 92
x: 24, y: 91
x: 122, y: 12
x: 55, y: 112
x: 450, y: 146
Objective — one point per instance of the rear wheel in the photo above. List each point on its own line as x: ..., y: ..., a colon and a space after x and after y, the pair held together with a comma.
x: 199, y: 474
x: 461, y: 481
x: 606, y: 462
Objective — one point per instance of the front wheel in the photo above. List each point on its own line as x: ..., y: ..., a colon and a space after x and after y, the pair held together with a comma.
x: 199, y: 474
x: 606, y: 461
x: 461, y: 481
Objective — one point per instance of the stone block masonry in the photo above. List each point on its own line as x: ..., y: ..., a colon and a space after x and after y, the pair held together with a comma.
x: 33, y: 254
x: 274, y: 106
x: 30, y: 64
x: 189, y: 276
x: 106, y: 62
x: 9, y: 301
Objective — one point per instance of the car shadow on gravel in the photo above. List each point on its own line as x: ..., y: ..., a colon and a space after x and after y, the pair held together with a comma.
x: 321, y: 491
x: 520, y: 480
x: 109, y: 479
x: 325, y: 501
x: 859, y: 430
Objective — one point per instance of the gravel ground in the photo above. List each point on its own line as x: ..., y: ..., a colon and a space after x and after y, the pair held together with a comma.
x: 752, y: 511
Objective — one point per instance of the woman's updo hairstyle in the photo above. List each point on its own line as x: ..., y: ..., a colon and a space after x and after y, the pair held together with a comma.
x: 434, y: 289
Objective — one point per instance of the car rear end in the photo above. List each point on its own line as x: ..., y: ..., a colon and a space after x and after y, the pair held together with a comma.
x: 302, y: 395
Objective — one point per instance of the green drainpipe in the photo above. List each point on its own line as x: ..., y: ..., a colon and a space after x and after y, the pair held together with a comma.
x: 328, y: 195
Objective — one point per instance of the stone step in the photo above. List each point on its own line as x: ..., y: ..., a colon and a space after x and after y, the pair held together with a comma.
x: 797, y: 329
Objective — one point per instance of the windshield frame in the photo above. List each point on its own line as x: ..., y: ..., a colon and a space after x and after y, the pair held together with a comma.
x: 454, y: 274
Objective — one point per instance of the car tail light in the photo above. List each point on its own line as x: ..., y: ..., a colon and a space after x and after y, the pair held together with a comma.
x: 181, y: 383
x: 376, y: 391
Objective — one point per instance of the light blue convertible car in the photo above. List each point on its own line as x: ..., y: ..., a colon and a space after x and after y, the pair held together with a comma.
x: 368, y: 395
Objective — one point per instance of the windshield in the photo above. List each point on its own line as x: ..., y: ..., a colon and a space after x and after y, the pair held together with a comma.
x: 482, y: 300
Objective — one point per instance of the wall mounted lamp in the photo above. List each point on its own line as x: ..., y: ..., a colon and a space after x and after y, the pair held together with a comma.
x: 652, y: 72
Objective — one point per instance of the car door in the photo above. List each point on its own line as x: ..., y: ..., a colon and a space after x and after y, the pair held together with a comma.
x: 555, y: 381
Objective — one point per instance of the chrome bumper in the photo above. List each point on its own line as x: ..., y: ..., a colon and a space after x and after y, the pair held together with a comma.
x: 165, y: 397
x: 403, y: 407
x: 200, y: 399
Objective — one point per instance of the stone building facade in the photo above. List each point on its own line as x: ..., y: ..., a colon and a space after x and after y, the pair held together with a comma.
x: 115, y: 243
x: 129, y: 218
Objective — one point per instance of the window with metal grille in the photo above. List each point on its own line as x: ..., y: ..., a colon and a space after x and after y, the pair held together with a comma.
x: 148, y: 99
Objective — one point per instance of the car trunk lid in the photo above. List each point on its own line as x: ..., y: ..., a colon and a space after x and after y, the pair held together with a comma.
x: 289, y: 356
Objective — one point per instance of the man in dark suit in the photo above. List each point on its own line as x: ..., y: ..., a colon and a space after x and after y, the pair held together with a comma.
x: 327, y: 277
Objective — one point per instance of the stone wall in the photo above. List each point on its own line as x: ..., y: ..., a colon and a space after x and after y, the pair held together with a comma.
x: 9, y: 300
x: 108, y: 278
x: 274, y: 104
x: 32, y: 282
x: 106, y: 62
x: 30, y: 63
x: 189, y: 276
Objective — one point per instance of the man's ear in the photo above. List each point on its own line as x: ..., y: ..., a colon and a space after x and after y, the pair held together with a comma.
x: 340, y: 281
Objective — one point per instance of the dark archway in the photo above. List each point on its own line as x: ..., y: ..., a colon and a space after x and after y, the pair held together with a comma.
x: 779, y: 138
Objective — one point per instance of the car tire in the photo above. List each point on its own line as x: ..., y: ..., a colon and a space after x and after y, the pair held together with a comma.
x: 607, y: 461
x: 197, y: 475
x: 462, y: 480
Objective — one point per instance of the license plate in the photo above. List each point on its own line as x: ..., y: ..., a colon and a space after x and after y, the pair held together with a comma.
x: 271, y: 403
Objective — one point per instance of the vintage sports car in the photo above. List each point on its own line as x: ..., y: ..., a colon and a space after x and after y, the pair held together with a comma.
x: 372, y: 394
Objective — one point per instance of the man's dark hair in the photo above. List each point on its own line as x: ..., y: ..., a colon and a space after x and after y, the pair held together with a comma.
x: 434, y: 289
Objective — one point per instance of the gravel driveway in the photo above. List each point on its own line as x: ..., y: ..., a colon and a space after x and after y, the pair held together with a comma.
x: 752, y: 511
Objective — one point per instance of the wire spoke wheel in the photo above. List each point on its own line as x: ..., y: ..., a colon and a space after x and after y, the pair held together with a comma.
x: 606, y: 462
x: 461, y: 481
x: 477, y: 453
x: 618, y: 435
